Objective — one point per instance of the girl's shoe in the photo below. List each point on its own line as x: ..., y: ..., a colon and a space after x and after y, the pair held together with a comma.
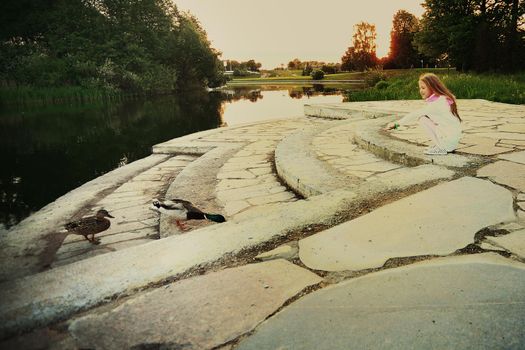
x: 435, y: 150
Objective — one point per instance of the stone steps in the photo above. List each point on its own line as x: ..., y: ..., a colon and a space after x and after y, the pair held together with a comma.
x: 324, y: 158
x: 134, y: 223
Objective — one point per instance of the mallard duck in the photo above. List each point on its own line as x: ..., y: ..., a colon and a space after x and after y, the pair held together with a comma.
x: 90, y: 226
x: 182, y: 210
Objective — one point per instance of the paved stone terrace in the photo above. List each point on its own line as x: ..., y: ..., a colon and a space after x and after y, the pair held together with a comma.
x: 339, y: 235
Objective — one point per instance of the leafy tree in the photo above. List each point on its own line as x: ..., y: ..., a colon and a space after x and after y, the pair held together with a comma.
x: 329, y: 68
x: 402, y: 53
x: 253, y: 66
x: 317, y: 74
x: 307, y: 70
x: 362, y: 54
x: 474, y: 34
x: 196, y: 60
x: 143, y: 46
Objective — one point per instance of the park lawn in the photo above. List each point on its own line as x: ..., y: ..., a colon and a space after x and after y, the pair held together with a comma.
x: 296, y: 75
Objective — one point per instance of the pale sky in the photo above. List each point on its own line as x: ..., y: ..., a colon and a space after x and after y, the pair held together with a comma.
x: 275, y: 32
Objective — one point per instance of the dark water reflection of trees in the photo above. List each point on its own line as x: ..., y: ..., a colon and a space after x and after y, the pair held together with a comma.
x: 253, y: 94
x: 47, y: 151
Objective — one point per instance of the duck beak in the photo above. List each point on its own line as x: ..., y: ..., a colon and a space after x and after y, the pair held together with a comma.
x: 110, y: 216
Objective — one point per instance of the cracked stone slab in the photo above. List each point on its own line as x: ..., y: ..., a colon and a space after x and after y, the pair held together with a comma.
x: 516, y: 157
x: 513, y: 242
x: 406, y: 177
x: 505, y: 173
x: 197, y: 313
x: 437, y: 221
x: 464, y: 302
x: 285, y: 251
x: 485, y: 150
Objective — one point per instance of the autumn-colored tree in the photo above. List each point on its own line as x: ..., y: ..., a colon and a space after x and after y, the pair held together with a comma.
x: 362, y: 54
x: 403, y: 54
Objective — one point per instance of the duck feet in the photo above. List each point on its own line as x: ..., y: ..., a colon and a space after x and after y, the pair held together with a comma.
x: 94, y: 240
x: 180, y: 225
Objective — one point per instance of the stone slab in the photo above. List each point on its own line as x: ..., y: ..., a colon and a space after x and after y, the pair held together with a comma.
x: 465, y: 302
x: 513, y: 242
x: 516, y: 157
x: 505, y: 173
x: 484, y: 150
x: 406, y: 177
x: 512, y: 128
x: 198, y: 313
x: 437, y: 221
x: 86, y: 283
x: 285, y: 251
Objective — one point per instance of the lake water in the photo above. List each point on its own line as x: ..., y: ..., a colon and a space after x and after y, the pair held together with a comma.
x: 47, y: 151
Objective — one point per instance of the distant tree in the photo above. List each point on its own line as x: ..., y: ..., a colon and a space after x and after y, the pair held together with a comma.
x: 362, y: 54
x: 307, y: 70
x: 329, y: 68
x: 347, y: 61
x: 474, y: 34
x: 295, y: 64
x: 402, y: 53
x: 253, y: 66
x: 317, y: 74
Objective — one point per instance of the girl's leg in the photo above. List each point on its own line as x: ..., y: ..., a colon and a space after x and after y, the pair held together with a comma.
x: 430, y: 128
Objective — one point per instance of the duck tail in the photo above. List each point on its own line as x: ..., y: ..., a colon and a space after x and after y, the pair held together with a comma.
x: 215, y: 217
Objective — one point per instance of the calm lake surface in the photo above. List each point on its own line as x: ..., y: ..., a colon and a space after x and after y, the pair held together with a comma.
x: 46, y: 151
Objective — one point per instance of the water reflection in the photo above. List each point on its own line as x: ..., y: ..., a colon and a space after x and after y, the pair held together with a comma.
x: 273, y: 102
x: 47, y: 151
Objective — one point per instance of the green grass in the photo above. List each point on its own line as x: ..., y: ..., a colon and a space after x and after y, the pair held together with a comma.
x: 402, y: 84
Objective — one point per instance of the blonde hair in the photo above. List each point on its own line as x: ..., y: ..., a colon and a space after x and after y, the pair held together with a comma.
x: 437, y: 87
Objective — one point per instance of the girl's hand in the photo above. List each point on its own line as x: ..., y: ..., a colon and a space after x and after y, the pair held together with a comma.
x: 391, y: 126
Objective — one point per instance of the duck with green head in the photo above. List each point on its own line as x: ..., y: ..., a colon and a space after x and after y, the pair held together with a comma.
x: 90, y: 226
x: 182, y: 210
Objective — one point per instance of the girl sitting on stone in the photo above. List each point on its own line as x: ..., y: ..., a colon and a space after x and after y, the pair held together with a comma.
x: 439, y: 118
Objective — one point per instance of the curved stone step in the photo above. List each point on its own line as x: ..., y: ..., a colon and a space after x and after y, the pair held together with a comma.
x: 369, y: 136
x: 298, y: 166
x: 322, y: 159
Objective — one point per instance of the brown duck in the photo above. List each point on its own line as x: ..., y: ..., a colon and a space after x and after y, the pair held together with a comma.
x: 90, y: 226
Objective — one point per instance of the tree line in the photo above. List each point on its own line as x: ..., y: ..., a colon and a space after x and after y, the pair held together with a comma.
x: 479, y: 35
x: 143, y: 46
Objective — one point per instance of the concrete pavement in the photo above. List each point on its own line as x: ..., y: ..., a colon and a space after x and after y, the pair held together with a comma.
x: 383, y: 245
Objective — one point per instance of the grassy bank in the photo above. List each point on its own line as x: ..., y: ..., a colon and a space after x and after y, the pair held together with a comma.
x: 41, y: 96
x: 402, y: 85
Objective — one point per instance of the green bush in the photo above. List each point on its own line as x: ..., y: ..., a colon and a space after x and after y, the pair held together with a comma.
x: 373, y: 78
x: 317, y: 74
x: 307, y: 71
x: 382, y: 84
